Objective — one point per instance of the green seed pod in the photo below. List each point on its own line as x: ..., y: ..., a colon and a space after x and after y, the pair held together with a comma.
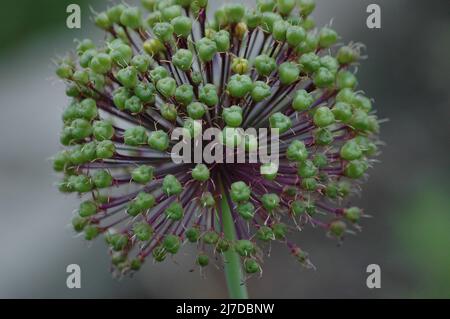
x: 285, y: 6
x: 142, y: 62
x: 323, y: 136
x: 251, y: 266
x: 279, y: 230
x: 102, y: 179
x: 246, y: 210
x: 134, y: 105
x: 193, y: 234
x: 342, y: 112
x: 184, y: 94
x: 306, y: 7
x: 192, y: 129
x: 174, y: 211
x: 166, y: 87
x: 131, y: 18
x: 208, y: 95
x: 310, y: 44
x: 102, y: 130
x: 346, y: 79
x: 202, y: 260
x: 128, y: 77
x: 105, y: 149
x: 239, y: 192
x: 171, y: 186
x: 297, y: 151
x: 232, y: 116
x: 350, y: 150
x: 206, y: 48
x: 329, y: 63
x: 196, y: 110
x: 360, y: 120
x: 140, y: 204
x: 159, y: 140
x: 265, y: 234
x: 153, y: 47
x: 355, y: 169
x: 268, y: 19
x: 270, y: 201
x: 169, y: 112
x: 120, y: 96
x: 207, y: 200
x: 222, y: 40
x: 337, y: 228
x: 142, y: 174
x: 324, y: 78
x: 252, y: 19
x: 352, y: 214
x: 323, y: 117
x: 281, y: 122
x: 181, y: 26
x: 64, y: 71
x: 182, y: 59
x: 121, y: 54
x: 222, y: 245
x: 143, y: 231
x: 101, y: 63
x: 244, y: 247
x: 171, y: 12
x: 302, y: 101
x: 265, y: 65
x: 200, y: 173
x: 347, y: 55
x: 61, y: 161
x: 84, y: 45
x: 265, y: 5
x: 289, y: 73
x: 91, y: 232
x: 279, y: 30
x: 135, y: 136
x: 332, y: 190
x: 239, y: 65
x: 145, y: 92
x: 234, y: 12
x: 239, y: 85
x: 309, y: 184
x: 135, y: 264
x: 79, y: 223
x: 211, y: 237
x: 118, y: 242
x: 327, y: 37
x: 153, y: 18
x: 363, y: 103
x: 307, y: 169
x: 309, y: 62
x: 295, y: 35
x: 260, y: 91
x: 87, y: 209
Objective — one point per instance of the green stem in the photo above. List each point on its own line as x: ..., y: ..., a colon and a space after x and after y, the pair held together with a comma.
x: 232, y: 263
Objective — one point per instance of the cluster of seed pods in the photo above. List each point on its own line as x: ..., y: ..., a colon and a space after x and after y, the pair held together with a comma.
x: 171, y: 64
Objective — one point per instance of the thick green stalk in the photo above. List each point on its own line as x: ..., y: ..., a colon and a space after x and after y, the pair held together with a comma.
x: 233, y: 270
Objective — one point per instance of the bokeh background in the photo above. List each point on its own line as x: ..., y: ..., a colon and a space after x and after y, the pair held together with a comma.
x: 408, y: 73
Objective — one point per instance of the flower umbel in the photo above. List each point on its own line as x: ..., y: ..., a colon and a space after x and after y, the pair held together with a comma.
x: 267, y: 67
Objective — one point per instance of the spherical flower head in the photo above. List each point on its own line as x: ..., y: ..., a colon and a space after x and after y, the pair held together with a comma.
x: 168, y: 73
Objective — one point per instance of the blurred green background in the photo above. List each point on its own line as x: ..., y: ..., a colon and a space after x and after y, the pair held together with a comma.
x: 408, y: 73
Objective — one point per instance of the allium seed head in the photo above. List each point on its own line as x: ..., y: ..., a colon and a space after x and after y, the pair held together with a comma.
x: 167, y: 67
